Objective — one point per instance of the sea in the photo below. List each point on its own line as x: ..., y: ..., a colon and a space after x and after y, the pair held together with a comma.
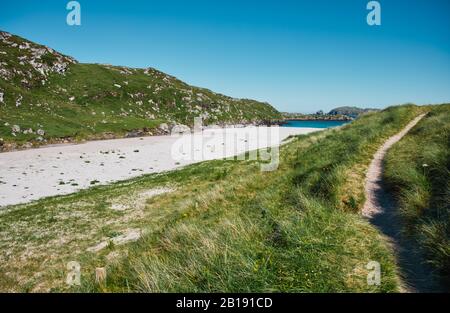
x: 314, y: 124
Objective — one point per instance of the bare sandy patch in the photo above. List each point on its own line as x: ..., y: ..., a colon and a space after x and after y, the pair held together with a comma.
x: 129, y: 235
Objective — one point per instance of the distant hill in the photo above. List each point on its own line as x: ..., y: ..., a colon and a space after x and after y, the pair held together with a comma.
x: 349, y: 111
x: 340, y: 114
x: 319, y: 116
x: 46, y: 96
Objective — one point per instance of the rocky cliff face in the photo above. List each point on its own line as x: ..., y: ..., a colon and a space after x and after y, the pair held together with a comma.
x: 46, y: 96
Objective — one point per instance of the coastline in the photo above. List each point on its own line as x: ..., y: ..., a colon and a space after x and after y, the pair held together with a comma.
x: 32, y: 174
x: 8, y: 146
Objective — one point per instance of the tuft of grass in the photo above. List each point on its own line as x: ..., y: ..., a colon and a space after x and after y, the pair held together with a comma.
x: 417, y: 170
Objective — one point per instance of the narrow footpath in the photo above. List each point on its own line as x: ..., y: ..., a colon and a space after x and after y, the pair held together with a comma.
x: 381, y: 210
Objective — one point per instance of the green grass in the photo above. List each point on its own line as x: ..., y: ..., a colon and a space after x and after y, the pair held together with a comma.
x: 227, y: 226
x: 335, y: 168
x: 418, y: 172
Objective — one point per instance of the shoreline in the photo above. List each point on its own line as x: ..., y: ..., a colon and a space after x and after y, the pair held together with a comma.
x: 32, y: 174
x: 134, y: 133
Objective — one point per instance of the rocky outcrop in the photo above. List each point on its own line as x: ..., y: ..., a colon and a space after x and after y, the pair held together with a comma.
x: 180, y: 129
x: 164, y: 128
x: 33, y: 62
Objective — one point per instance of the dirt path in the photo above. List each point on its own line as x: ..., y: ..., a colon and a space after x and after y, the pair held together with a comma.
x: 380, y: 208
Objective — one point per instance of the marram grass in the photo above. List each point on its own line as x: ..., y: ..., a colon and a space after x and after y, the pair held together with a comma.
x: 226, y: 227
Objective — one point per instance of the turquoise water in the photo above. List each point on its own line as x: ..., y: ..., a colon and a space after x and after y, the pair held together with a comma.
x: 313, y: 124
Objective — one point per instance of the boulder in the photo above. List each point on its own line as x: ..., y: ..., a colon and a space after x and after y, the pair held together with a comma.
x: 27, y: 145
x: 134, y: 133
x: 15, y: 129
x: 164, y: 127
x: 19, y: 101
x: 181, y: 129
x: 212, y: 126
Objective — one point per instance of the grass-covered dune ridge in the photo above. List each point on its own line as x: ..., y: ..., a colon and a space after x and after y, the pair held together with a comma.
x: 46, y: 96
x: 227, y: 226
x: 336, y: 170
x: 418, y: 173
x: 286, y: 235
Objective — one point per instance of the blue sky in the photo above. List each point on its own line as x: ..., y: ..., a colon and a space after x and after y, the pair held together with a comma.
x: 301, y: 56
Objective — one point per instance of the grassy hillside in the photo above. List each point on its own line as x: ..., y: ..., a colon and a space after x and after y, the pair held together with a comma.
x: 225, y: 226
x: 46, y: 96
x: 418, y: 172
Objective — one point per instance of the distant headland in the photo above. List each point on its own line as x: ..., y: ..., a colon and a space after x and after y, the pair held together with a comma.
x: 338, y: 114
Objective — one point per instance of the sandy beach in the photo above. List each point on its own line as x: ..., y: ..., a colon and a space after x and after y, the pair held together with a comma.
x: 63, y: 169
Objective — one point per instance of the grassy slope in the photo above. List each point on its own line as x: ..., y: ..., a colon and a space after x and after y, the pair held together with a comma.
x: 145, y: 98
x: 228, y: 226
x: 418, y: 172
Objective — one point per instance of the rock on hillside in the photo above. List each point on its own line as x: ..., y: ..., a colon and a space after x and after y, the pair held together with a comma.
x: 27, y: 64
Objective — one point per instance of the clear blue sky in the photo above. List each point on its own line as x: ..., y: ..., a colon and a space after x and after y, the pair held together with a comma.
x: 301, y: 56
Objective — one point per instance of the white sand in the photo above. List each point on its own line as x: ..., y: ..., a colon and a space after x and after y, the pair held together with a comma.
x: 49, y: 171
